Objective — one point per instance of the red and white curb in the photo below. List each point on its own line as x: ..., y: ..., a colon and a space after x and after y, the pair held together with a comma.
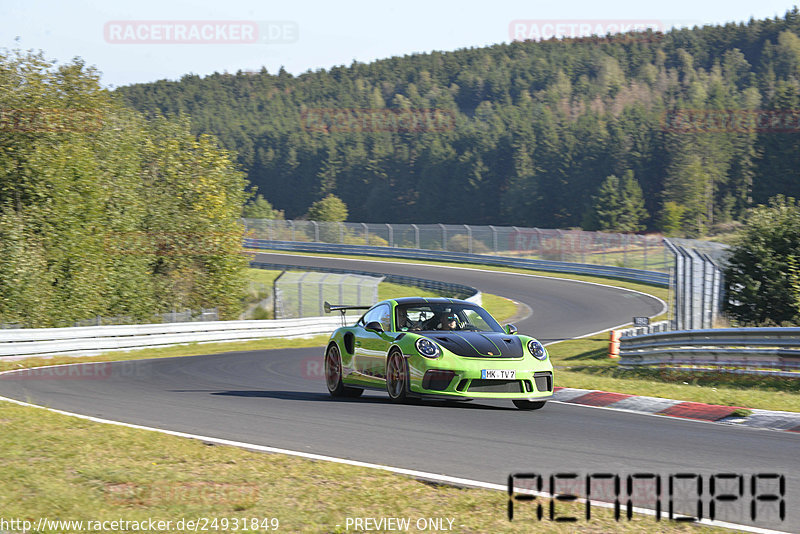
x: 714, y: 413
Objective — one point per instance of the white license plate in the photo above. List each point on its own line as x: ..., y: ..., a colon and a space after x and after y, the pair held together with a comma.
x: 498, y: 374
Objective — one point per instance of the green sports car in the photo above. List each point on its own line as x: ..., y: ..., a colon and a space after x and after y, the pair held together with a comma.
x: 420, y: 347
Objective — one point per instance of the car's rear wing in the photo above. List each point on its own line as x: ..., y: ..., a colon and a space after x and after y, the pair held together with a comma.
x: 342, y: 309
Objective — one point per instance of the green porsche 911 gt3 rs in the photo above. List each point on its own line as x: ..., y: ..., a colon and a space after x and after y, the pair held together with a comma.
x: 421, y: 347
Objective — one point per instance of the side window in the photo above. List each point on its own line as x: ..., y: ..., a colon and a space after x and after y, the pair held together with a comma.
x: 386, y: 319
x: 380, y: 314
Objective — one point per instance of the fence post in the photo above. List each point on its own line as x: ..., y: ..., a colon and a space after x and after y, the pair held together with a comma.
x: 416, y: 233
x: 469, y: 234
x: 275, y: 314
x: 341, y: 288
x: 444, y: 236
x: 366, y: 233
x: 391, y: 234
x: 645, y: 252
x: 494, y: 238
x: 516, y: 239
x: 321, y: 285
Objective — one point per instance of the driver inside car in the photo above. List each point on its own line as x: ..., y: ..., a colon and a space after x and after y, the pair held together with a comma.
x: 403, y: 321
x: 449, y: 322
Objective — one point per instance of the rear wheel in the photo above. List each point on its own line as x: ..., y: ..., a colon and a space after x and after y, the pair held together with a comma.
x: 333, y: 375
x: 397, y: 377
x: 529, y: 405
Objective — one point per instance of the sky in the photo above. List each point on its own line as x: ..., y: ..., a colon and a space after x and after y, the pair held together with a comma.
x: 148, y: 40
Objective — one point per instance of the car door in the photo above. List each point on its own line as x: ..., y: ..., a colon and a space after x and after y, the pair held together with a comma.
x: 372, y: 346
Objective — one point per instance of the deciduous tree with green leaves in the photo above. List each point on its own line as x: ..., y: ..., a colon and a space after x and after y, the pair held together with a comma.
x: 763, y: 274
x: 103, y: 212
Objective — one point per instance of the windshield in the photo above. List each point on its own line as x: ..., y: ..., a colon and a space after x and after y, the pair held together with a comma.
x: 439, y: 317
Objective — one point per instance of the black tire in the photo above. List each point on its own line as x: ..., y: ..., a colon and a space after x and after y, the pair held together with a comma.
x: 397, y: 377
x: 333, y: 375
x: 529, y: 405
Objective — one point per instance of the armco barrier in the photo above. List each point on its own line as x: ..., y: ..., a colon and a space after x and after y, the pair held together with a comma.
x: 623, y: 273
x: 86, y: 340
x: 748, y: 348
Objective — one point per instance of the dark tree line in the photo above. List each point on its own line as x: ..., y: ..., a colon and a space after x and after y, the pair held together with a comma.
x: 536, y: 130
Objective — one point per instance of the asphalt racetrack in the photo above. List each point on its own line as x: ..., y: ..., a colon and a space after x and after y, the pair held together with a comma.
x: 278, y: 399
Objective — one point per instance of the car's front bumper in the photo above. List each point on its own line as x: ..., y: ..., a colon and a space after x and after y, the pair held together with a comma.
x: 532, y: 382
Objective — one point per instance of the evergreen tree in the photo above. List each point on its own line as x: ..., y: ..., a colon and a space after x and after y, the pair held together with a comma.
x: 618, y: 205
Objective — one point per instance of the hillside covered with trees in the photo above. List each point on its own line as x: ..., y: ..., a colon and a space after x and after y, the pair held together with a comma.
x: 535, y: 130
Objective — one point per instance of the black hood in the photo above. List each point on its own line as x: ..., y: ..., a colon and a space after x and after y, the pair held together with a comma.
x: 478, y: 344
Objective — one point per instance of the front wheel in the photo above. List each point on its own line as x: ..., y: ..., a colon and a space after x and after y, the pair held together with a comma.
x: 529, y: 405
x: 397, y: 377
x: 333, y: 375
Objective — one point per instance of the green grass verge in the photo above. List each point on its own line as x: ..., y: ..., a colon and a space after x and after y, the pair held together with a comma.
x: 584, y: 363
x: 66, y: 468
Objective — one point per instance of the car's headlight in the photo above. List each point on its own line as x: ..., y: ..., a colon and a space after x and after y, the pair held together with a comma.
x: 537, y: 350
x: 428, y: 348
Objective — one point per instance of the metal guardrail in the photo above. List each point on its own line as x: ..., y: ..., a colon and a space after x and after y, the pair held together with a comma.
x: 652, y: 328
x: 698, y: 283
x: 84, y: 341
x: 748, y: 348
x: 624, y: 273
x: 574, y: 246
x: 87, y: 340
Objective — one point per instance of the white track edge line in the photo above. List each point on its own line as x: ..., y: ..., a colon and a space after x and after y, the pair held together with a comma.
x: 397, y: 470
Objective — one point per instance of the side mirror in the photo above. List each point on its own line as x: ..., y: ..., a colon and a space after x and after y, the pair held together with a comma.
x: 510, y: 329
x: 374, y: 326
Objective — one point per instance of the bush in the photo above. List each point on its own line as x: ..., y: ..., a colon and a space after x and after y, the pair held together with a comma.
x: 763, y: 274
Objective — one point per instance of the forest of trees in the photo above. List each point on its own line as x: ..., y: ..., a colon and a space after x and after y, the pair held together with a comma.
x: 536, y: 129
x: 103, y: 212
